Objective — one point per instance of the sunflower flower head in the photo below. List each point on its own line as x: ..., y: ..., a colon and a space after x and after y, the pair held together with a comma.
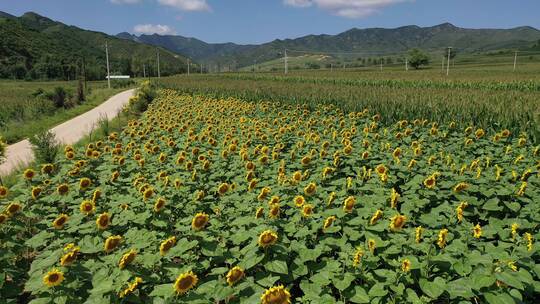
x: 131, y: 287
x: 127, y: 258
x: 376, y: 216
x: 103, y: 221
x: 234, y: 275
x: 166, y: 245
x: 267, y: 238
x: 199, y: 221
x: 276, y: 295
x: 310, y: 189
x: 328, y: 222
x: 397, y: 222
x: 441, y: 239
x: 111, y: 243
x: 477, y: 231
x: 418, y: 234
x: 60, y: 221
x: 348, y: 204
x: 406, y: 265
x: 185, y: 282
x: 53, y: 278
x: 357, y: 258
x: 87, y: 207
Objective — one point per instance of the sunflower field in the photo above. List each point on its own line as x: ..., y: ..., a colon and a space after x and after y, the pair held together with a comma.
x: 206, y: 200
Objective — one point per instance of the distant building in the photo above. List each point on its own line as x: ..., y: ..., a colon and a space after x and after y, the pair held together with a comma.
x: 118, y: 77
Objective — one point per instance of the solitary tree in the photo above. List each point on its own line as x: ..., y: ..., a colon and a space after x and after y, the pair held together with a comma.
x: 417, y: 58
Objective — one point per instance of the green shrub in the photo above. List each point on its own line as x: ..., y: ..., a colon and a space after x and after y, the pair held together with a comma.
x: 45, y: 147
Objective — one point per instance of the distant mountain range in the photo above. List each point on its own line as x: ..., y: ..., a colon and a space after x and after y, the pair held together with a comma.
x: 363, y: 42
x: 36, y: 47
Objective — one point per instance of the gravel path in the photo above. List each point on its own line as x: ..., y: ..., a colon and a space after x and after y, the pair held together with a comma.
x: 69, y: 132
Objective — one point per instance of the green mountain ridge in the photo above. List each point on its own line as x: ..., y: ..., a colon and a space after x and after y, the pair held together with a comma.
x: 36, y: 47
x: 362, y: 42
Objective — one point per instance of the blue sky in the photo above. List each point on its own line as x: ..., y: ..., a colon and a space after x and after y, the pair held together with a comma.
x: 257, y: 21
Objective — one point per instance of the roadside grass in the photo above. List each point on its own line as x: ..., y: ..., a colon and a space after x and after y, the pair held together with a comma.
x: 20, y: 130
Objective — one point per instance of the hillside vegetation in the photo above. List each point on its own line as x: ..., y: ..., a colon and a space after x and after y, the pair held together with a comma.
x: 371, y: 42
x: 35, y: 47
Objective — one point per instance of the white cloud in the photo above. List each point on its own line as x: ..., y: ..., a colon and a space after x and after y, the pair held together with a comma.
x: 125, y: 1
x: 154, y: 29
x: 187, y: 5
x: 346, y: 8
x: 298, y: 3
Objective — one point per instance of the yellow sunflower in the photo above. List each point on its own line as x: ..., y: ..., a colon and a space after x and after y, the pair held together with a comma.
x: 13, y: 208
x: 299, y: 201
x: 259, y: 213
x: 84, y: 183
x: 348, y: 205
x: 477, y: 231
x: 223, y: 188
x: 3, y: 191
x: 60, y: 221
x: 36, y: 191
x: 53, y: 278
x: 310, y: 189
x: 160, y: 203
x: 199, y: 221
x: 29, y: 174
x: 70, y: 257
x: 307, y: 210
x: 460, y: 187
x: 276, y: 295
x: 328, y: 222
x: 131, y: 287
x: 127, y: 258
x: 267, y: 238
x: 62, y: 189
x: 3, y: 218
x: 166, y: 245
x: 430, y: 182
x: 441, y: 239
x: 234, y: 275
x: 372, y: 245
x: 406, y: 265
x: 185, y: 282
x: 111, y: 243
x: 87, y: 207
x: 377, y: 216
x: 397, y: 222
x: 274, y: 211
x: 103, y: 221
x: 418, y: 234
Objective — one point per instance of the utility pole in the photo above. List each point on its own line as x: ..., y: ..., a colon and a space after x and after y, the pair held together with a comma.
x: 188, y: 64
x: 406, y: 64
x: 84, y: 73
x: 158, y: 69
x: 381, y: 64
x: 331, y: 67
x: 202, y: 66
x: 515, y: 60
x: 442, y: 65
x: 448, y: 63
x: 286, y: 63
x: 144, y: 70
x: 108, y: 68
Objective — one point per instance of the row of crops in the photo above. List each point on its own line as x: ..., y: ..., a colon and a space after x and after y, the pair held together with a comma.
x: 207, y: 200
x: 521, y: 85
x: 490, y: 110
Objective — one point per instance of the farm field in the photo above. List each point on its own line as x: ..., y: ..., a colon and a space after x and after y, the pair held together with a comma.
x: 488, y: 99
x: 30, y: 107
x: 227, y: 200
